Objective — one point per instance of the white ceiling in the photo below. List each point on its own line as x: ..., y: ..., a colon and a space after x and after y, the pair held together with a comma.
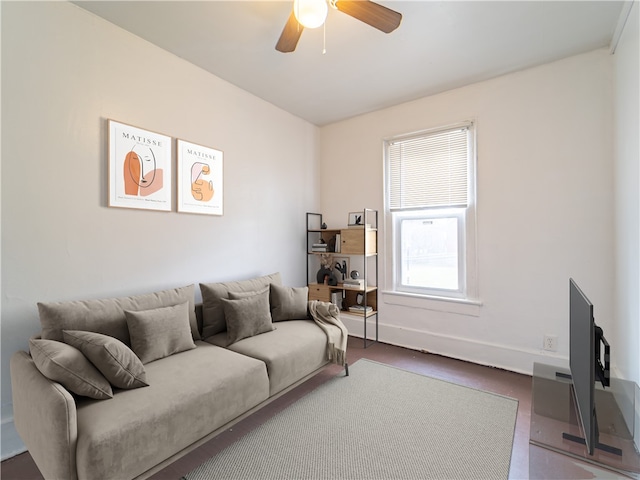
x: 439, y: 45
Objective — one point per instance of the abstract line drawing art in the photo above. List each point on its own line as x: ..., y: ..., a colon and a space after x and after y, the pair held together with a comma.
x: 200, y: 179
x: 139, y: 168
x: 201, y: 187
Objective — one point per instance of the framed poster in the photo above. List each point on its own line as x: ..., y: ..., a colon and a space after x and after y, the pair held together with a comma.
x: 200, y: 179
x: 139, y: 168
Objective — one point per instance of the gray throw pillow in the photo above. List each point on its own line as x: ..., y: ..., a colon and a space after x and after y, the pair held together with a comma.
x: 288, y: 303
x: 213, y: 316
x: 246, y: 316
x: 113, y: 358
x: 67, y: 365
x: 160, y: 332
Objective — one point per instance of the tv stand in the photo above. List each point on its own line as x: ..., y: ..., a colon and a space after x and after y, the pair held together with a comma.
x: 574, y: 438
x: 599, y: 446
x: 554, y: 421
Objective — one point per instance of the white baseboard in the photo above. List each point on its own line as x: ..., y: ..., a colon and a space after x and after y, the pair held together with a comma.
x: 482, y: 353
x: 11, y: 442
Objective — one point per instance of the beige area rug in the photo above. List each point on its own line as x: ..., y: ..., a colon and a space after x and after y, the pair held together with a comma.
x: 378, y: 423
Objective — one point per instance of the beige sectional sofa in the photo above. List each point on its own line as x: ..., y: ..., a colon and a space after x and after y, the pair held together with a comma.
x: 165, y: 375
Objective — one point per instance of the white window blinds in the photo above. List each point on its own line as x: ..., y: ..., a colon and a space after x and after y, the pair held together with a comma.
x: 429, y: 170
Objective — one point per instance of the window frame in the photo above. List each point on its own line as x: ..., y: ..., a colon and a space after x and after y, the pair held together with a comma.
x: 467, y: 260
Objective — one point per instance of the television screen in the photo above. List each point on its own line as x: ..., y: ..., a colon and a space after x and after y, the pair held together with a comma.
x: 582, y: 361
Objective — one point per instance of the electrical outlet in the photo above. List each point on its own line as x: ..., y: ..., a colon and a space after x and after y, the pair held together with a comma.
x: 550, y: 343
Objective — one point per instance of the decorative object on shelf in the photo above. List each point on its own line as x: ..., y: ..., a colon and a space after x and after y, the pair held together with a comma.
x: 331, y: 244
x: 199, y: 178
x: 326, y: 260
x: 355, y: 281
x: 355, y: 219
x: 323, y: 226
x: 325, y: 275
x: 342, y: 268
x: 336, y: 299
x: 139, y: 168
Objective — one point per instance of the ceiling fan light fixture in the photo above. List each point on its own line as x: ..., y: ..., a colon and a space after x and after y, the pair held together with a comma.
x: 310, y: 13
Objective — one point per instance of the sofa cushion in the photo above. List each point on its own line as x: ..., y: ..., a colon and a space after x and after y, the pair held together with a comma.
x: 160, y: 332
x: 67, y: 365
x: 246, y: 315
x: 107, y: 315
x: 119, y: 365
x: 295, y: 349
x: 288, y: 303
x: 186, y: 400
x: 213, y: 319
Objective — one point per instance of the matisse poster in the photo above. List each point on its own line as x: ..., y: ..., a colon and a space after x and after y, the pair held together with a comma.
x: 139, y: 168
x: 200, y: 178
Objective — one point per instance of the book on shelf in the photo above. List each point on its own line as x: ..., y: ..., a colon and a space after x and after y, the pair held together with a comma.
x: 360, y: 309
x: 353, y: 283
x: 319, y: 247
x: 338, y: 242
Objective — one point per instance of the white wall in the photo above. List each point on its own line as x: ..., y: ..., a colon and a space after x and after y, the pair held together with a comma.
x: 64, y: 72
x: 626, y: 341
x: 545, y: 203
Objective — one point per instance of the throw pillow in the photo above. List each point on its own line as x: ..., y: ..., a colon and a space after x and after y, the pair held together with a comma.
x: 213, y: 316
x: 67, y: 365
x: 113, y: 358
x: 247, y: 316
x: 288, y: 303
x: 160, y: 332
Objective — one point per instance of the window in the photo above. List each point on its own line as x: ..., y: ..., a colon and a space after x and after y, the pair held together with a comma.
x: 431, y: 207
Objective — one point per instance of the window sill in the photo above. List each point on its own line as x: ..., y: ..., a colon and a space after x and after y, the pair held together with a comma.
x: 460, y: 306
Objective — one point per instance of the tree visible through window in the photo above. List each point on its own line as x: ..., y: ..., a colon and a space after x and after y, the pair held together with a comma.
x: 430, y: 198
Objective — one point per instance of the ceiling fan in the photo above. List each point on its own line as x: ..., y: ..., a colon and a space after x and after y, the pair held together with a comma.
x: 312, y: 13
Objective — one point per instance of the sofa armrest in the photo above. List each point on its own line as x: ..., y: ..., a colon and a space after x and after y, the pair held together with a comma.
x: 45, y: 418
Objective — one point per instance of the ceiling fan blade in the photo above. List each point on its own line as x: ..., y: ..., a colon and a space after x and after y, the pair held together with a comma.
x: 371, y: 13
x: 290, y: 35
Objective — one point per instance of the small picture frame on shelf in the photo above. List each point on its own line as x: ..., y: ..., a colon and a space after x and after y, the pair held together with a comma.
x: 341, y: 268
x: 356, y: 219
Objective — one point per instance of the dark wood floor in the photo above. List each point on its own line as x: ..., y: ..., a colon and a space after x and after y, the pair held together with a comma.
x: 545, y: 464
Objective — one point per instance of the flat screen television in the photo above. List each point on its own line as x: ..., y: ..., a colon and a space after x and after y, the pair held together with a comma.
x: 589, y: 355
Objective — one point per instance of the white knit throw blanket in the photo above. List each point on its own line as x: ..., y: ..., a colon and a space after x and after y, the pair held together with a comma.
x: 327, y: 316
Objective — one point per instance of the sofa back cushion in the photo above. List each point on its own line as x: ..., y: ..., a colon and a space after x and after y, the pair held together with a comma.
x: 213, y: 317
x: 106, y: 316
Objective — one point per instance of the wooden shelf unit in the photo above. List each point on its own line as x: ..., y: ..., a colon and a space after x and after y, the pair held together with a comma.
x: 354, y: 242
